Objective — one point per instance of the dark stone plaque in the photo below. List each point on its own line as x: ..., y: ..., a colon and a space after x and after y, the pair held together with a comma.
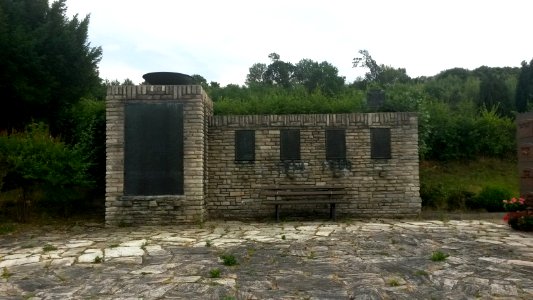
x: 335, y: 144
x: 290, y: 144
x: 244, y: 145
x: 380, y: 143
x: 153, y: 154
x: 375, y: 98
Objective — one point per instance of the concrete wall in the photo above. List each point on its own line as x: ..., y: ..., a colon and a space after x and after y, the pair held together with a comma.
x: 375, y: 187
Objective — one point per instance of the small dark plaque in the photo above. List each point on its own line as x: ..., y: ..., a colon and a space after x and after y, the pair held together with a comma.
x: 380, y: 143
x: 244, y: 145
x: 153, y: 162
x: 290, y: 144
x: 375, y: 98
x: 335, y: 144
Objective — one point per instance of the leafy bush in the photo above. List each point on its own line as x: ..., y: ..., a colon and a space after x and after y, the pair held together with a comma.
x: 445, y: 198
x: 35, y: 160
x: 491, y: 198
x: 521, y: 221
x: 88, y: 122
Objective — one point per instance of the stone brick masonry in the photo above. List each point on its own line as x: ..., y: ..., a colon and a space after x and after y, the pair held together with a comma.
x: 375, y: 187
x: 165, y: 209
x: 218, y: 186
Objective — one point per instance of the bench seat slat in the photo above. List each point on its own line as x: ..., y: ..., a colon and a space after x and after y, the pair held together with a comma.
x: 289, y: 202
x: 302, y: 193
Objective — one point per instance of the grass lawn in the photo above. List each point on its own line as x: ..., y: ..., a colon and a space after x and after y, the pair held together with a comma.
x: 468, y: 177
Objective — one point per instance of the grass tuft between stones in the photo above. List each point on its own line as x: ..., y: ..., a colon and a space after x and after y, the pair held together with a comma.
x: 49, y: 247
x: 229, y: 260
x: 214, y: 273
x: 439, y: 256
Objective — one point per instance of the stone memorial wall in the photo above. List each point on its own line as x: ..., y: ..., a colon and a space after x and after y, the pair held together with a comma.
x: 170, y: 161
x: 384, y: 183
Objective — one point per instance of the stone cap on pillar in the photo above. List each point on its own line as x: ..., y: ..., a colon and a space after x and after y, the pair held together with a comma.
x: 167, y: 78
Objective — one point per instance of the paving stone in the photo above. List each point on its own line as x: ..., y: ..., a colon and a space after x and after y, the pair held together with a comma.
x: 90, y: 256
x: 123, y: 251
x: 79, y: 243
x: 351, y: 260
x: 19, y: 261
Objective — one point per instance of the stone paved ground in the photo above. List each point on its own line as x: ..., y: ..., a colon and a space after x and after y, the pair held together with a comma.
x: 379, y: 259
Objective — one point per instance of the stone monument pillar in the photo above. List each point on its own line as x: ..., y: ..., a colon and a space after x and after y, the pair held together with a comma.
x: 156, y: 148
x: 524, y: 140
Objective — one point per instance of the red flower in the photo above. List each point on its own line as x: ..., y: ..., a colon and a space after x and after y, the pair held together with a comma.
x: 506, y: 217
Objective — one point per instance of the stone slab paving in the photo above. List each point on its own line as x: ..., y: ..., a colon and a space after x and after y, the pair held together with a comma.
x: 351, y: 259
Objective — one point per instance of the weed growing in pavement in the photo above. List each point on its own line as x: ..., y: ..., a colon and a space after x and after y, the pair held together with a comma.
x: 250, y: 251
x: 26, y: 246
x: 5, y: 273
x: 49, y: 247
x: 229, y: 260
x: 283, y: 237
x: 208, y: 243
x: 421, y: 273
x: 113, y: 245
x: 98, y: 260
x: 214, y: 273
x: 393, y: 282
x: 6, y: 228
x: 439, y: 256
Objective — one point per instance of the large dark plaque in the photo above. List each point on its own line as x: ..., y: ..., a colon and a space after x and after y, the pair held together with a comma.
x: 380, y: 144
x: 290, y: 144
x: 153, y: 162
x: 335, y: 144
x: 245, y: 145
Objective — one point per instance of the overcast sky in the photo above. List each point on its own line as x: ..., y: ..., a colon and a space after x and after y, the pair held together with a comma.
x: 221, y: 39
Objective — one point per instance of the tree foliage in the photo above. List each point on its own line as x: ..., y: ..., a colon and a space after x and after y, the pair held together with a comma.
x: 524, y: 88
x: 46, y: 62
x: 381, y: 75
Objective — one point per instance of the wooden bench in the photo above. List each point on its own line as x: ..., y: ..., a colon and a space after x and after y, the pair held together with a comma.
x: 304, y: 194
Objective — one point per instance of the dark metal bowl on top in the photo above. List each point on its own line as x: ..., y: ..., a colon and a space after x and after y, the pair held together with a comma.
x: 167, y: 78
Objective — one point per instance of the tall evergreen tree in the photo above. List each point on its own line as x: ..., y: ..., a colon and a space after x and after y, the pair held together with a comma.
x: 46, y: 63
x: 524, y: 88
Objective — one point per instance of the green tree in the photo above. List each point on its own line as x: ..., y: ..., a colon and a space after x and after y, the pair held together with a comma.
x: 379, y: 74
x: 46, y: 63
x: 323, y: 76
x: 524, y: 88
x: 493, y: 92
x: 256, y: 74
x: 278, y: 72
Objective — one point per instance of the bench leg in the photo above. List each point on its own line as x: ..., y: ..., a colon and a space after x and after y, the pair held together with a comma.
x: 332, y: 212
x: 277, y: 212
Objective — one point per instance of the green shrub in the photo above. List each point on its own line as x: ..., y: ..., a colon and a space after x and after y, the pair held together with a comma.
x: 491, y: 198
x: 37, y: 161
x: 459, y: 199
x: 443, y: 197
x: 521, y: 221
x: 88, y: 118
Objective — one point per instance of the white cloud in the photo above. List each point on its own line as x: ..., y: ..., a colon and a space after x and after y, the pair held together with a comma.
x: 220, y: 40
